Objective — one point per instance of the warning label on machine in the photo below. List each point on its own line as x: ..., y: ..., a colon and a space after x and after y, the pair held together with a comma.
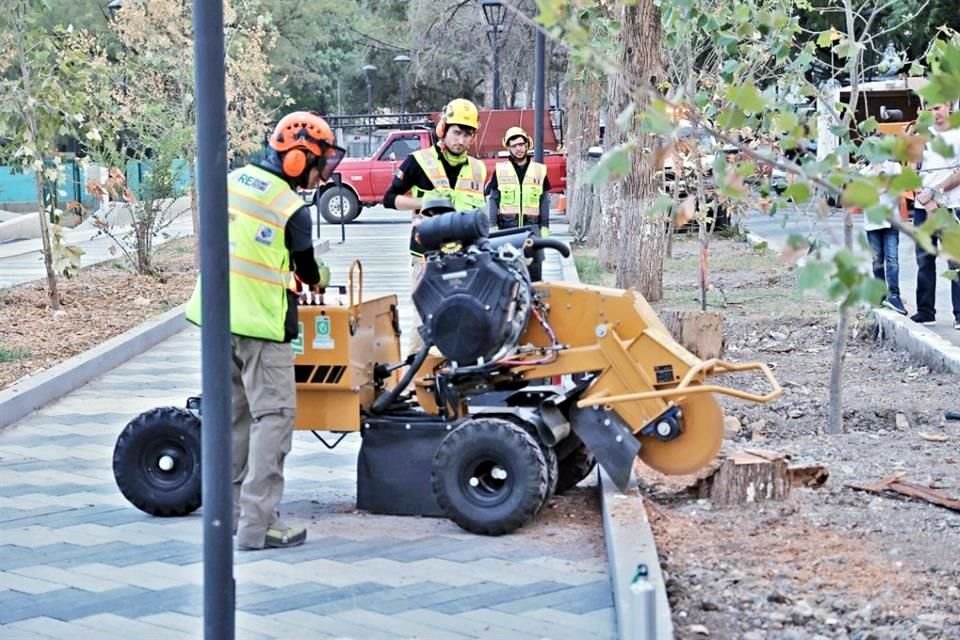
x: 322, y: 338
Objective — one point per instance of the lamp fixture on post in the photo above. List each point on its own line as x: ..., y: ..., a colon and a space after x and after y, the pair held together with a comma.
x: 891, y: 62
x: 402, y: 62
x: 495, y: 14
x: 368, y: 71
x: 113, y: 7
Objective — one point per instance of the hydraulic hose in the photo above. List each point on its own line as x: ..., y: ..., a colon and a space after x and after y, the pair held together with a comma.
x: 551, y: 243
x: 383, y: 402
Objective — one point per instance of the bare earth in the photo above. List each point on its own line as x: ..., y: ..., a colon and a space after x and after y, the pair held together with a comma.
x: 828, y: 563
x: 101, y: 302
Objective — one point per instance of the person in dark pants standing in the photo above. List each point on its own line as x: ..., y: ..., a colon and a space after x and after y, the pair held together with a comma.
x: 517, y: 192
x: 941, y: 179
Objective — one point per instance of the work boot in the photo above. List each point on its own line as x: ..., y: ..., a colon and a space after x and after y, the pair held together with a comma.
x: 894, y: 302
x: 279, y: 539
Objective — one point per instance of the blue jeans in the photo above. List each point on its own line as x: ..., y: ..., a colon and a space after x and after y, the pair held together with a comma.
x: 927, y: 274
x: 885, y: 246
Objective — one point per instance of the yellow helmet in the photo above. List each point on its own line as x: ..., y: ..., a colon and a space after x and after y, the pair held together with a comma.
x: 461, y: 112
x: 514, y: 132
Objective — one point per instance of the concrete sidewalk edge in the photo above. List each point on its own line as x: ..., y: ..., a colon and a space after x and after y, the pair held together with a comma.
x: 31, y: 393
x: 628, y: 539
x: 931, y: 349
x: 630, y: 542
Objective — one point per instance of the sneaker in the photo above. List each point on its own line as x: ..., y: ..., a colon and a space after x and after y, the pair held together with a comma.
x: 277, y: 539
x: 922, y: 318
x: 956, y: 323
x: 894, y: 302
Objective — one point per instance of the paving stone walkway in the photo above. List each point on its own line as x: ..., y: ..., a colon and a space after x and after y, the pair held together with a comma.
x: 77, y: 561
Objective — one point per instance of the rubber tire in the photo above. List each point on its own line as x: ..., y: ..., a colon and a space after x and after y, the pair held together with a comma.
x: 549, y: 457
x: 509, y: 446
x: 326, y: 199
x: 576, y: 466
x: 149, y: 489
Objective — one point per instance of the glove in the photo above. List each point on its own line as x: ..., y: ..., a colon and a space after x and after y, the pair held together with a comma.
x: 544, y: 232
x: 324, y: 275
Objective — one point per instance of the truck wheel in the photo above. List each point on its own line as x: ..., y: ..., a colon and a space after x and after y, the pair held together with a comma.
x: 156, y: 462
x: 333, y: 207
x: 576, y: 466
x: 489, y: 476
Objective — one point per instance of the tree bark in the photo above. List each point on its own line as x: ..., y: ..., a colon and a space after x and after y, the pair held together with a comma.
x: 583, y: 131
x: 633, y: 237
x: 52, y: 294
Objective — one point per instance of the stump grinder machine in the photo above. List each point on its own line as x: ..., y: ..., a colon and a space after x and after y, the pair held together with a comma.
x: 519, y: 389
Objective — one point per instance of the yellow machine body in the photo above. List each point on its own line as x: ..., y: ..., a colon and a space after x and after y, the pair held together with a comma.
x: 335, y: 355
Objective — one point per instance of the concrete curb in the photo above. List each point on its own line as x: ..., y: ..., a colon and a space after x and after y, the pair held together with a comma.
x: 629, y: 541
x: 29, y: 394
x: 934, y: 351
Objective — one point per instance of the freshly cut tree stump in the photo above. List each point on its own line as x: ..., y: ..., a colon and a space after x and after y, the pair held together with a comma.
x: 700, y: 332
x: 743, y: 477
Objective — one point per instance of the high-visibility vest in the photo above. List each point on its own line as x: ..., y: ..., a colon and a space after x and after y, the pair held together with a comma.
x: 260, y: 204
x: 520, y: 199
x: 465, y: 195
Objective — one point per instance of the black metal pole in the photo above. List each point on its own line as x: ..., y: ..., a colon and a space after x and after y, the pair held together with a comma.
x: 216, y: 437
x: 496, y: 69
x: 369, y: 115
x: 538, y: 96
x: 403, y: 97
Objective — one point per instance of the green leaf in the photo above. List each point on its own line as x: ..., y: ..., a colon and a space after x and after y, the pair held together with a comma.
x: 813, y: 275
x: 951, y: 242
x: 908, y: 180
x: 798, y: 192
x: 825, y: 38
x: 868, y: 126
x: 747, y: 97
x: 860, y: 193
x: 942, y: 147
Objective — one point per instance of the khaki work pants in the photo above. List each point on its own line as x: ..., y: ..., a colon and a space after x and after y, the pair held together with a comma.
x: 417, y: 266
x: 264, y: 402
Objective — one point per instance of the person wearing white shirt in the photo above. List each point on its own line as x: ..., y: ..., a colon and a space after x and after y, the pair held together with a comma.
x: 884, y: 240
x: 941, y: 188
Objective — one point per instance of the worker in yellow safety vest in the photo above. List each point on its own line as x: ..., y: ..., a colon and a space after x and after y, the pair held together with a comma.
x: 517, y: 192
x: 269, y: 239
x: 443, y: 170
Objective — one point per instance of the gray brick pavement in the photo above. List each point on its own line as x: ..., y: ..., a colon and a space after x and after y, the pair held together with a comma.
x: 76, y: 561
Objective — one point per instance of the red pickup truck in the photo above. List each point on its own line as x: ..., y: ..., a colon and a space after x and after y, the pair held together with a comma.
x: 365, y: 180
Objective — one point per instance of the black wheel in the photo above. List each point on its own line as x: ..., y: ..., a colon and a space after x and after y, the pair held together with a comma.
x: 489, y: 476
x: 156, y: 462
x: 334, y: 204
x: 574, y: 467
x: 549, y: 457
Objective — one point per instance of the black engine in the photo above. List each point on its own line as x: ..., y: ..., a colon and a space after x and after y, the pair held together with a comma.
x: 475, y: 295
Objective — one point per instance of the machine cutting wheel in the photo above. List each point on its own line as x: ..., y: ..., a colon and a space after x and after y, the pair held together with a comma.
x: 699, y: 440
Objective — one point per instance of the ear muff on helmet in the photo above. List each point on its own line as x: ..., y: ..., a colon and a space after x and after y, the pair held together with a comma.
x: 294, y: 163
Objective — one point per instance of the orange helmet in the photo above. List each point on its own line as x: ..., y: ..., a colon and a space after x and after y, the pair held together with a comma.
x: 304, y: 139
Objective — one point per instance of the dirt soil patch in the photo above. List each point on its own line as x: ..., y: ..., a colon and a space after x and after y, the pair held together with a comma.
x: 829, y: 562
x: 102, y: 301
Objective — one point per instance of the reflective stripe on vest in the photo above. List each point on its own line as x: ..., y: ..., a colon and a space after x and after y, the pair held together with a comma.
x: 468, y: 192
x: 260, y: 204
x: 466, y: 195
x: 520, y: 199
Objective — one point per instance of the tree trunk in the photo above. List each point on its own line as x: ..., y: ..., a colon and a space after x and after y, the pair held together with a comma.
x: 835, y: 414
x: 52, y: 294
x: 583, y: 131
x: 637, y: 237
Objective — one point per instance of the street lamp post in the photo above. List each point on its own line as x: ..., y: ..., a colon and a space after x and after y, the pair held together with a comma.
x: 402, y: 61
x: 368, y: 71
x: 495, y: 13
